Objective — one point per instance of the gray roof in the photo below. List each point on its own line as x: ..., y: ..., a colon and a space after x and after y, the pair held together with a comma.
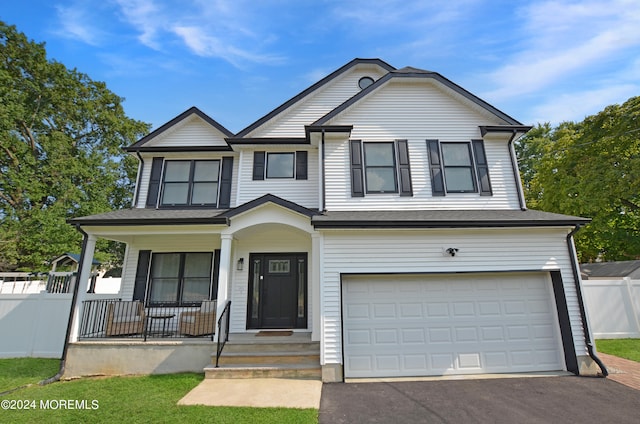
x: 341, y: 219
x: 444, y: 219
x: 612, y: 269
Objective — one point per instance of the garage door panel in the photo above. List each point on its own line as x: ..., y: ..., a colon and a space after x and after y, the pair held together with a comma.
x: 449, y: 325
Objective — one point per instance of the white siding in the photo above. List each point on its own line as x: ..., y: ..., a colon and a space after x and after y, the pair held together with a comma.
x: 422, y: 251
x: 416, y: 112
x: 291, y: 122
x: 143, y: 189
x: 192, y: 132
x: 302, y: 192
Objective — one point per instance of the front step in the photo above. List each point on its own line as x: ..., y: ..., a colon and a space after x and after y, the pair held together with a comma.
x: 245, y: 356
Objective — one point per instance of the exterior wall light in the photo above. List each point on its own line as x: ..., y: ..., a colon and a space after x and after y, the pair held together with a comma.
x: 240, y: 264
x: 452, y: 251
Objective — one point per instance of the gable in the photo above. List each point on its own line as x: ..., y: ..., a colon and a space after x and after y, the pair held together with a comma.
x: 422, y: 104
x: 289, y: 120
x: 192, y: 132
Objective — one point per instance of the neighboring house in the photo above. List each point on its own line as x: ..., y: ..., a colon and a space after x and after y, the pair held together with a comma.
x: 69, y: 262
x: 611, y: 270
x: 379, y: 210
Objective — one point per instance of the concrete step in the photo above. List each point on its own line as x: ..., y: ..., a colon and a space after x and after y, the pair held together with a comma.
x: 247, y: 347
x: 269, y: 357
x: 297, y: 371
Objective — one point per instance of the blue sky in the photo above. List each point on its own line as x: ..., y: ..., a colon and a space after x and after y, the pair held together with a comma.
x: 236, y: 60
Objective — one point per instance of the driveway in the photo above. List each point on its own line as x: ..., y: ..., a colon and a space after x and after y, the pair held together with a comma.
x: 564, y: 399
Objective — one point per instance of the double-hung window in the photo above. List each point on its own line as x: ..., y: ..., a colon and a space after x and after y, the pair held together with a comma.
x: 180, y: 279
x: 190, y: 183
x: 458, y: 167
x: 380, y: 167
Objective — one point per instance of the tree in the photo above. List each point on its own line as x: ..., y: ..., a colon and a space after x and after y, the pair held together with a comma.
x: 61, y: 140
x: 590, y: 169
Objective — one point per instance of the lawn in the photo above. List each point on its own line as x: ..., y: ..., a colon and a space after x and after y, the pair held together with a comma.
x: 142, y: 399
x: 623, y: 348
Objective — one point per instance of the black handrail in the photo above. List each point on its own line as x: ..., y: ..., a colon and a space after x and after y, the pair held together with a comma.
x: 223, y: 337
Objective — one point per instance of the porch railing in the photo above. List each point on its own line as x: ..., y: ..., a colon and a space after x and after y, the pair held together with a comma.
x: 223, y: 330
x: 108, y: 318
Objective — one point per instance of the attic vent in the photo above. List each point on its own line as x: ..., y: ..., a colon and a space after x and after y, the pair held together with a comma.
x: 365, y: 82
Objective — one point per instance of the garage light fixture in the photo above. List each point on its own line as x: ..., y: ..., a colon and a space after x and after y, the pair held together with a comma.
x: 452, y: 251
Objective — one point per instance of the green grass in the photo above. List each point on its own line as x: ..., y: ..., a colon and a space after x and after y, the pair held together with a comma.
x: 143, y: 399
x: 16, y: 372
x: 623, y: 348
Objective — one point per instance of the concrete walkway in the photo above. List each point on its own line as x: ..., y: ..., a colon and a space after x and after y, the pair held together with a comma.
x: 622, y: 370
x: 256, y: 392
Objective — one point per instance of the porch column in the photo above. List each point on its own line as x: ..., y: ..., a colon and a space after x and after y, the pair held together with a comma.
x: 223, y: 275
x: 83, y: 277
x: 316, y: 266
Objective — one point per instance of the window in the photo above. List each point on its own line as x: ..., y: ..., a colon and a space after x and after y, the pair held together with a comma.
x: 190, y: 183
x: 273, y: 165
x: 280, y: 165
x: 181, y: 279
x: 380, y: 167
x: 458, y: 167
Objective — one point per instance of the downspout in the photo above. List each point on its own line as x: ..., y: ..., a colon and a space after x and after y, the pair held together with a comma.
x: 583, y: 312
x: 514, y: 168
x: 324, y: 195
x: 138, y: 179
x: 74, y: 298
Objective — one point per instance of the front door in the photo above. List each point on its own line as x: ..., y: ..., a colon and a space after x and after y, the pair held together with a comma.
x: 277, y: 295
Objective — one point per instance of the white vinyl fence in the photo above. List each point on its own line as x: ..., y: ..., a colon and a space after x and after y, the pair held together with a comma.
x: 34, y: 325
x: 613, y: 307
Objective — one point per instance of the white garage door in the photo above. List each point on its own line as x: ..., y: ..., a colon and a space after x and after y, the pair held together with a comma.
x: 449, y: 324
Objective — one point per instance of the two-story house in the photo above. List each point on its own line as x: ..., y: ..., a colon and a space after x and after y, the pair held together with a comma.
x: 380, y: 212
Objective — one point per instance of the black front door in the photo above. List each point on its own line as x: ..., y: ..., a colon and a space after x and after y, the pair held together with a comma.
x: 277, y: 295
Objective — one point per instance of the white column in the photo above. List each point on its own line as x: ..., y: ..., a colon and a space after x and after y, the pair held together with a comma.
x: 224, y: 274
x: 84, y: 275
x: 316, y: 312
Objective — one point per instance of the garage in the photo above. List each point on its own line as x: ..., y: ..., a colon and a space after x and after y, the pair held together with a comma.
x: 448, y: 324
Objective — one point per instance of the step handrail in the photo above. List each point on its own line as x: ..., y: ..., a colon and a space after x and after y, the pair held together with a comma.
x: 223, y: 324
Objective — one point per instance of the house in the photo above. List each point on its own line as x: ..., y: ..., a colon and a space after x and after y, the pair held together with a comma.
x: 379, y: 212
x: 611, y: 270
x: 69, y: 262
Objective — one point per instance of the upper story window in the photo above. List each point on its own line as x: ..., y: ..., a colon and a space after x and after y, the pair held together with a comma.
x: 458, y: 167
x: 380, y: 167
x: 280, y: 165
x: 190, y: 183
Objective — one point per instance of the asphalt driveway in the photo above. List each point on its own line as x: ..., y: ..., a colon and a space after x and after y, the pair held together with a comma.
x: 567, y: 399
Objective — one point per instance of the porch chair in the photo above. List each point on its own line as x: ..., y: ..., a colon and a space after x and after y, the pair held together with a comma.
x: 125, y: 317
x: 200, y: 322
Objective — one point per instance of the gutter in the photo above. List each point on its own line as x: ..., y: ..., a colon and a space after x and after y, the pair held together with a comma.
x: 324, y: 194
x: 514, y: 168
x: 74, y: 299
x: 583, y: 313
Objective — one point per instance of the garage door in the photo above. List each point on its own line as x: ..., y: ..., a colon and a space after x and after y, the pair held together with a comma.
x: 449, y: 324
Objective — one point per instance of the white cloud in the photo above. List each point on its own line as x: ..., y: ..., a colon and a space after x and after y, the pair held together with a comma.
x: 576, y: 106
x: 145, y: 16
x: 565, y: 39
x: 75, y: 24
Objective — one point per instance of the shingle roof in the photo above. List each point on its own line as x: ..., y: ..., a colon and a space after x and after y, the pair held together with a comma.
x: 444, y: 219
x: 612, y: 269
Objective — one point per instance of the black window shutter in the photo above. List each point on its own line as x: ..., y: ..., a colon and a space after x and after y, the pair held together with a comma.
x: 216, y: 272
x: 225, y: 182
x: 142, y: 271
x: 482, y: 168
x: 258, y: 165
x: 154, y: 182
x: 404, y: 168
x: 357, y: 179
x: 301, y: 165
x: 437, y: 179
